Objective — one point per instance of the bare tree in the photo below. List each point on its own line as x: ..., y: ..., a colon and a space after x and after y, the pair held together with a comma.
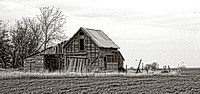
x: 153, y: 66
x: 4, y: 46
x: 51, y: 21
x: 26, y: 39
x: 29, y: 35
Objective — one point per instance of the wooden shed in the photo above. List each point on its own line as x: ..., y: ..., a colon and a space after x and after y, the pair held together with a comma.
x: 88, y: 50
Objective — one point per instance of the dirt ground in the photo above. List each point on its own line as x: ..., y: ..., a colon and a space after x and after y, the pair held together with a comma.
x: 188, y: 82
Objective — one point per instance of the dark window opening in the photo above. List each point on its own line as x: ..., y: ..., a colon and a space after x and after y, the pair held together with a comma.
x: 82, y: 44
x: 56, y: 49
x: 105, y: 59
x: 81, y: 33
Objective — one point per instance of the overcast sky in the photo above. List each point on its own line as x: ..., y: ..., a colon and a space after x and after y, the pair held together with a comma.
x: 166, y: 31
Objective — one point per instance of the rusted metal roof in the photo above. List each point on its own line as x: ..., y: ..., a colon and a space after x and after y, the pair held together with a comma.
x: 100, y: 38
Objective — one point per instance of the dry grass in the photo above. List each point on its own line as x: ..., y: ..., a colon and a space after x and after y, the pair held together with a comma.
x: 45, y: 75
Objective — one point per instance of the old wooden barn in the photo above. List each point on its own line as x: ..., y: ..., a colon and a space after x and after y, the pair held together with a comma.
x: 88, y: 50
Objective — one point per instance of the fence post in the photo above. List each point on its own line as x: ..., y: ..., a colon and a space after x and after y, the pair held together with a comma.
x: 138, y: 69
x: 142, y: 67
x: 169, y: 68
x: 126, y: 69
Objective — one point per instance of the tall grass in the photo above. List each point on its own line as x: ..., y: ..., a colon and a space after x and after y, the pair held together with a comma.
x: 46, y: 75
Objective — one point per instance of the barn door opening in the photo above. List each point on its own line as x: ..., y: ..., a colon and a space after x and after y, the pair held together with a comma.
x: 51, y: 63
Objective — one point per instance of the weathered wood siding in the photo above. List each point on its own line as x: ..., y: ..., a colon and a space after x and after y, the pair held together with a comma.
x: 34, y: 63
x: 110, y: 59
x: 120, y: 60
x: 90, y: 54
x: 37, y: 62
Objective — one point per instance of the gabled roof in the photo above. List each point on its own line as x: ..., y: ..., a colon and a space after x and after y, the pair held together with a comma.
x: 97, y: 36
x: 100, y: 38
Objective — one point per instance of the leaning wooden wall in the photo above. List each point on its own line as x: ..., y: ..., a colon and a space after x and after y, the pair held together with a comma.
x: 89, y: 56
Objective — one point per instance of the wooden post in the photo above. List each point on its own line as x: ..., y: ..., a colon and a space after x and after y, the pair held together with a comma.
x: 142, y: 67
x: 126, y: 69
x: 169, y: 68
x: 82, y: 65
x: 138, y: 69
x: 59, y: 66
x: 66, y: 63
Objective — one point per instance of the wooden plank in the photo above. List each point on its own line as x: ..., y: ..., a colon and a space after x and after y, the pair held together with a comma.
x: 66, y: 63
x: 76, y: 54
x: 71, y: 46
x: 76, y: 57
x: 74, y: 46
x: 95, y: 54
x: 76, y: 42
x: 90, y: 49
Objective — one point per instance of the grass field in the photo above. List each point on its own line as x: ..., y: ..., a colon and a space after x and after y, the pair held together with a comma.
x: 186, y: 83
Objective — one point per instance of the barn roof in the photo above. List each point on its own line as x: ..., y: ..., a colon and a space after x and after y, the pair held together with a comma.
x: 100, y: 38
